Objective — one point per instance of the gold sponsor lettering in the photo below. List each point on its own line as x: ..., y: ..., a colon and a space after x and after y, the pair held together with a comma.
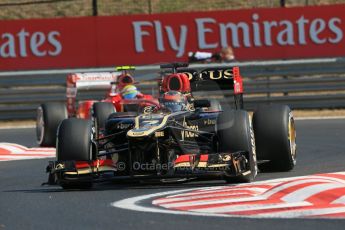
x: 216, y: 75
x: 212, y: 74
x: 186, y: 133
x: 219, y: 75
x: 137, y: 133
x: 209, y: 122
x: 148, y: 109
x: 227, y: 73
x: 189, y: 134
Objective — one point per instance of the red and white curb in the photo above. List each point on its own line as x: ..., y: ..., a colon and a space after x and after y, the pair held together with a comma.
x: 10, y: 152
x: 315, y: 196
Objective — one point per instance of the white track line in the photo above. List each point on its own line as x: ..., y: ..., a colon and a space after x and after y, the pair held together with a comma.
x: 16, y: 158
x: 177, y: 199
x: 340, y: 200
x: 320, y: 118
x: 14, y: 126
x: 304, y: 213
x: 12, y: 149
x: 10, y: 152
x: 241, y: 208
x: 305, y: 193
x: 132, y: 204
x: 297, y: 200
x: 260, y: 197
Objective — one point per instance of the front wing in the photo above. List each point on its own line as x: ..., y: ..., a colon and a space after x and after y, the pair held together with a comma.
x: 196, y: 166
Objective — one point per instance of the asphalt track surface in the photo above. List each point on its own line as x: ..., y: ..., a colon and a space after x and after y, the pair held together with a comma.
x: 25, y: 204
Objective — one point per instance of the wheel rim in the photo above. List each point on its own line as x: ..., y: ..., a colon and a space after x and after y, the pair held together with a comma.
x: 91, y: 141
x: 40, y: 125
x: 292, y: 138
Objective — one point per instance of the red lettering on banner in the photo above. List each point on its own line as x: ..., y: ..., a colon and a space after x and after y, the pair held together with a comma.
x: 277, y: 33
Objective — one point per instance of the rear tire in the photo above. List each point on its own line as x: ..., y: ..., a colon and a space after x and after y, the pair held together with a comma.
x: 275, y: 134
x: 235, y: 133
x: 49, y: 116
x: 74, y: 144
x: 101, y: 112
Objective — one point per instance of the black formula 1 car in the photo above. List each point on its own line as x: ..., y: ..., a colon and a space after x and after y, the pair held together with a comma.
x: 180, y: 139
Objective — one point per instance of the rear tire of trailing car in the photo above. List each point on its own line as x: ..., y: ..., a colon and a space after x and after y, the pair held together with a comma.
x: 275, y: 135
x: 235, y: 133
x: 101, y: 112
x: 74, y: 143
x: 49, y: 116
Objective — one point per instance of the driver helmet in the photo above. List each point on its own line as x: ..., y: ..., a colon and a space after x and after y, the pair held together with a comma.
x: 124, y: 80
x: 129, y: 92
x: 174, y: 101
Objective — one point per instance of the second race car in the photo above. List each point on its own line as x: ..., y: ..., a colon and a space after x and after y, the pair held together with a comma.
x: 122, y: 95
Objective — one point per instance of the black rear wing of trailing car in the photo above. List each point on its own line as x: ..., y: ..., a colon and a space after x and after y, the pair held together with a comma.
x: 211, y: 79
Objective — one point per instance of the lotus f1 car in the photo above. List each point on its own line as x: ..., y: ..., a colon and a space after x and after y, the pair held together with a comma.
x: 49, y: 115
x: 178, y: 139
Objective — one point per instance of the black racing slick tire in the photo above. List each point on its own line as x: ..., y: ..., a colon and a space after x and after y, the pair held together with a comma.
x: 49, y: 116
x: 235, y: 133
x: 275, y: 135
x: 74, y: 140
x: 101, y: 112
x: 74, y: 143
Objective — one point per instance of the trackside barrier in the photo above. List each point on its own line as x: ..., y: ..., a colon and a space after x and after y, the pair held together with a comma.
x: 302, y: 84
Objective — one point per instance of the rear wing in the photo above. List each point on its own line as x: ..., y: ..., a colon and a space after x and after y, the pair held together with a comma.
x: 86, y: 81
x: 210, y: 79
x: 225, y: 78
x: 97, y: 80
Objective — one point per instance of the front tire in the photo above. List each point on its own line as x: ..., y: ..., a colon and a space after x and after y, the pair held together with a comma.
x: 235, y: 133
x: 49, y: 116
x: 74, y: 143
x: 275, y: 133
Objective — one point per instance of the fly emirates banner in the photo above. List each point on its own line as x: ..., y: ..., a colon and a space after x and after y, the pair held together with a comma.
x: 254, y: 34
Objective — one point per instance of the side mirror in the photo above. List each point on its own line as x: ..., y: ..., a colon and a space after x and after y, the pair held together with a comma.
x: 202, y: 103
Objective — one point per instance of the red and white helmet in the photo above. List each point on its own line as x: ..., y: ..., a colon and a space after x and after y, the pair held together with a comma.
x: 176, y: 82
